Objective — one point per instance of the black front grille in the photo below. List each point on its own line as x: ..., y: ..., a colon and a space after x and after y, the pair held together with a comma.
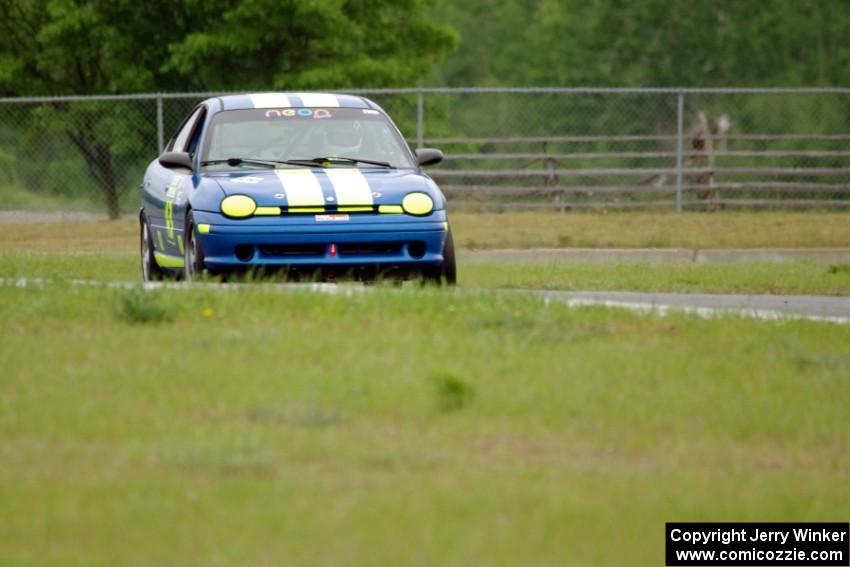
x: 290, y: 250
x: 364, y: 248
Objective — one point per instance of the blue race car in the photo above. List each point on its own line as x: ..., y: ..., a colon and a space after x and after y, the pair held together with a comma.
x: 319, y: 185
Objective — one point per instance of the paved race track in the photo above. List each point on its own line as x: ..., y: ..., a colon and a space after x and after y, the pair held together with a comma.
x: 824, y: 308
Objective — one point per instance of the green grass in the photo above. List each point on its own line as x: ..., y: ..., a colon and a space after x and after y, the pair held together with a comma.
x: 107, y: 250
x: 405, y: 426
x: 17, y: 199
x: 635, y: 229
x: 791, y: 278
x: 400, y: 427
x: 107, y: 266
x: 803, y: 278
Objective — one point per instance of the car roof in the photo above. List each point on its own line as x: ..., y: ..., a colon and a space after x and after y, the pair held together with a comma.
x: 294, y: 100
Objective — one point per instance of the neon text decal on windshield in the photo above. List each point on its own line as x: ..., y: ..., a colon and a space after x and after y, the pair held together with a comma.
x: 315, y: 114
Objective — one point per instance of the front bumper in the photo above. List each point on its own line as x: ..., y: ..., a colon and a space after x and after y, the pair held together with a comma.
x: 371, y: 240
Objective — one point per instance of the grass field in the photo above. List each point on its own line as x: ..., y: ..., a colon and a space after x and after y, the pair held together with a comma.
x: 400, y: 427
x: 652, y: 230
x: 107, y: 250
x: 526, y: 230
x: 18, y: 199
x: 790, y: 278
x: 799, y: 278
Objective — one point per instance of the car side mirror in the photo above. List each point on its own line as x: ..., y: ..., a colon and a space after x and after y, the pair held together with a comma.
x: 173, y: 160
x: 428, y: 156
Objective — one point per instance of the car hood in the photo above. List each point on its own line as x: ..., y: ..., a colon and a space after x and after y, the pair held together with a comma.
x: 344, y: 186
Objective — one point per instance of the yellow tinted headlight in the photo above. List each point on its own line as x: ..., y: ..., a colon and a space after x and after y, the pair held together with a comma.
x: 417, y: 204
x: 238, y: 206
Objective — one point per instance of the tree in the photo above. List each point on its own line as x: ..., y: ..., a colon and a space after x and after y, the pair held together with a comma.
x: 648, y: 43
x: 83, y: 47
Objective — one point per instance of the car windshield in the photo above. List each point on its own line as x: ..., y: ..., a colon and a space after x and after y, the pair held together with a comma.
x: 357, y: 136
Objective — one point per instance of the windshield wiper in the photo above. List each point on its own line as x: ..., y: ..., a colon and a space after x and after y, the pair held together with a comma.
x: 272, y: 163
x: 234, y: 161
x: 331, y: 159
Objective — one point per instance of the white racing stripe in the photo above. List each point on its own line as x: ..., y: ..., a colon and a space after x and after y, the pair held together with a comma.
x: 318, y: 100
x: 301, y: 187
x: 269, y: 100
x: 350, y: 186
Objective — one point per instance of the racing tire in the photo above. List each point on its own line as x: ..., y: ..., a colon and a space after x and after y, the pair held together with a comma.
x: 446, y: 271
x: 151, y: 272
x: 193, y: 261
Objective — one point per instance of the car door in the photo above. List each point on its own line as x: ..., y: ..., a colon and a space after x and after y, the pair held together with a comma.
x: 167, y: 191
x: 188, y: 183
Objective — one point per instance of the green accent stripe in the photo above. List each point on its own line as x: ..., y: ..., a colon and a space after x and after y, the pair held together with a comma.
x: 166, y: 261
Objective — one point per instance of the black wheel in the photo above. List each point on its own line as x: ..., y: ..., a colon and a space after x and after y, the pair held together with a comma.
x: 449, y: 264
x: 150, y: 269
x: 193, y: 262
x: 447, y: 270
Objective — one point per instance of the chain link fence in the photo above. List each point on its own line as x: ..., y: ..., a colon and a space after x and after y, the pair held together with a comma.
x: 537, y: 148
